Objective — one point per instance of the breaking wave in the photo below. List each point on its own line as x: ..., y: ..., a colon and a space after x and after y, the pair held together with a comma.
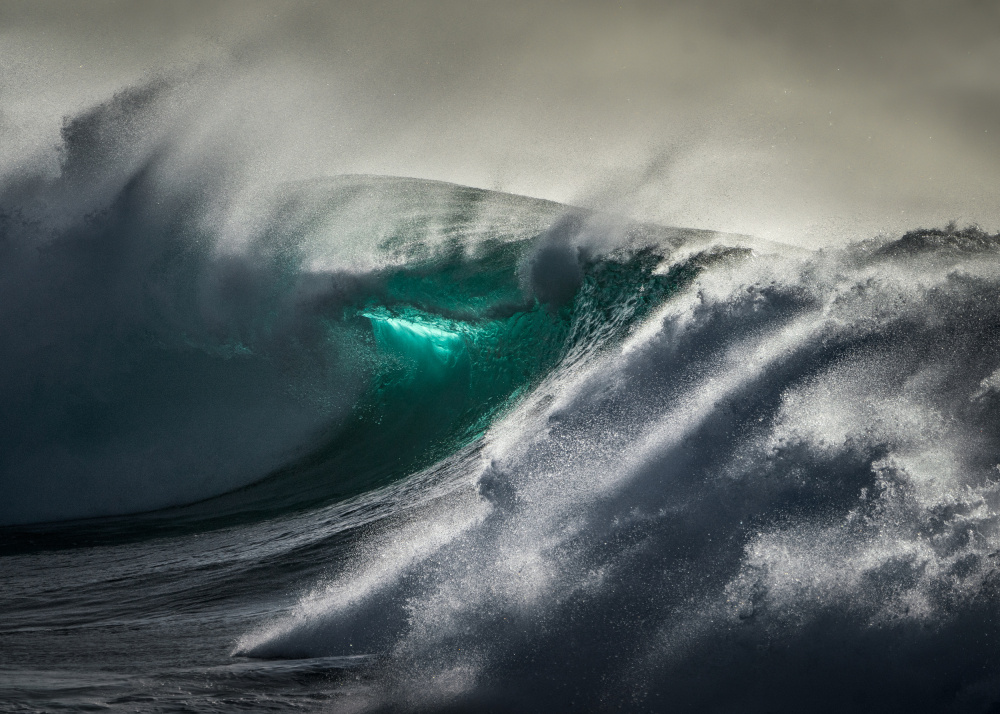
x: 504, y: 454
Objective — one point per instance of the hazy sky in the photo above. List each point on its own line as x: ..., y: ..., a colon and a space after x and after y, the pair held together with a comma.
x: 798, y: 120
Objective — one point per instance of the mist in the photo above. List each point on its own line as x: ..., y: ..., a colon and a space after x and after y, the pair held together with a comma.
x: 808, y: 123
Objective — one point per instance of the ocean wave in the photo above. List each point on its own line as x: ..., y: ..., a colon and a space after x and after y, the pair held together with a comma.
x: 441, y: 448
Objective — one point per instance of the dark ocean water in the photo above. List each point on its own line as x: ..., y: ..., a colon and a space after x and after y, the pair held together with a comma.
x: 382, y: 444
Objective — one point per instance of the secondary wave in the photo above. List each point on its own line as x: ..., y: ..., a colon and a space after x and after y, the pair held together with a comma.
x: 781, y: 492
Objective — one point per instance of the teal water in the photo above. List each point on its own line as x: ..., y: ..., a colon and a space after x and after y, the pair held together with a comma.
x: 452, y: 343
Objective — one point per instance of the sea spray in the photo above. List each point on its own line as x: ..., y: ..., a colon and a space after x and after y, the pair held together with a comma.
x: 790, y: 468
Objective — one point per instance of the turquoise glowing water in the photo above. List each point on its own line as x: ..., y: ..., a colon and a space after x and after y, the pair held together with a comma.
x: 449, y: 354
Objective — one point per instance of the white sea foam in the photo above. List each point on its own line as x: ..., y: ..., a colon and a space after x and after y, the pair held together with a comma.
x: 788, y: 440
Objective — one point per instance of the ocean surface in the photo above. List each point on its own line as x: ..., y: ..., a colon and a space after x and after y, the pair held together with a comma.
x: 383, y: 444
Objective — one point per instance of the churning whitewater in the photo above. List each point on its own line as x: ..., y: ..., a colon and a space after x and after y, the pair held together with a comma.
x: 382, y: 444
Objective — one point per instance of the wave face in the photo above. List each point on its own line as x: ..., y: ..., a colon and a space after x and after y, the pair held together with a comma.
x: 379, y: 444
x: 158, y: 355
x: 155, y: 369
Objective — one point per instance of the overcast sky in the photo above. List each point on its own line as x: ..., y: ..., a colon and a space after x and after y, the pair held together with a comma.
x: 796, y: 120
